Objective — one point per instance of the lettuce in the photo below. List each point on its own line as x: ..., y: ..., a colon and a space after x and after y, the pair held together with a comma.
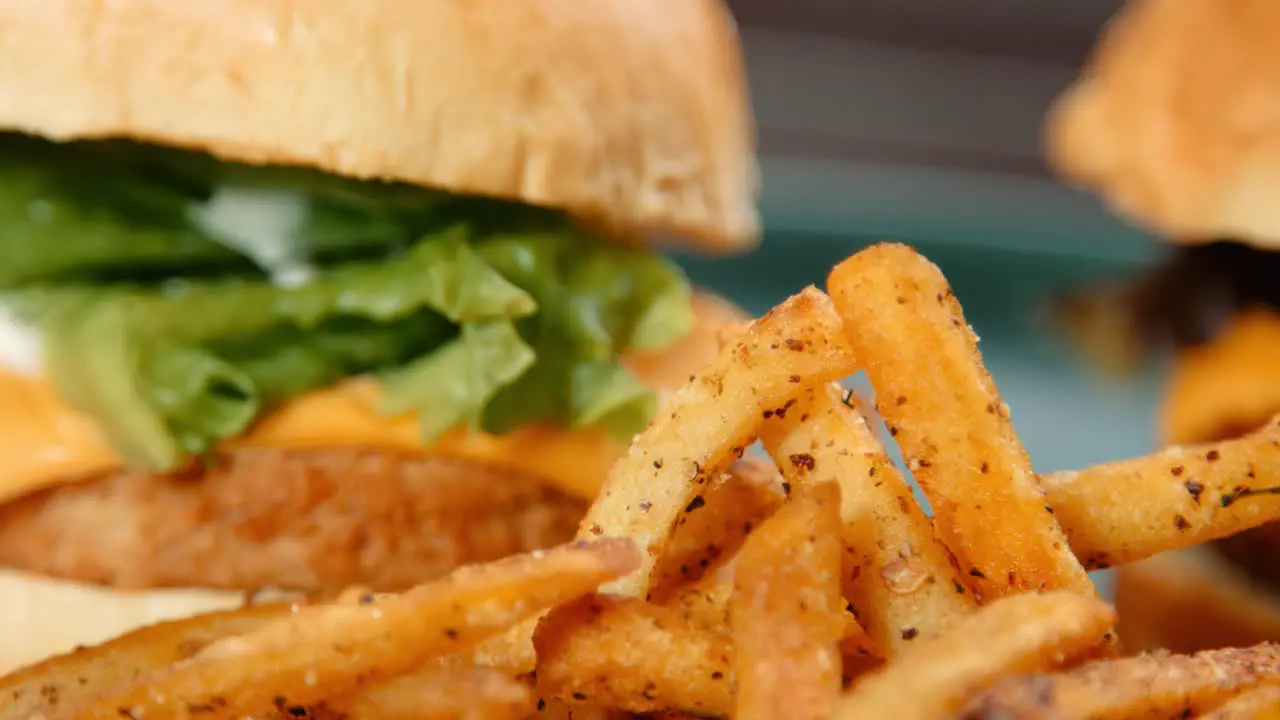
x: 469, y: 311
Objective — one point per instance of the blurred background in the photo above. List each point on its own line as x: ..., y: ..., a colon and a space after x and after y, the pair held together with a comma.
x: 919, y: 121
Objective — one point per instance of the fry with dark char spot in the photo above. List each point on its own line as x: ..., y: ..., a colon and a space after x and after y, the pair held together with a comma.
x: 736, y: 502
x: 908, y: 332
x: 710, y: 420
x: 1151, y: 685
x: 332, y: 651
x: 786, y: 613
x: 1126, y: 511
x: 1016, y: 634
x: 897, y: 575
x: 628, y: 654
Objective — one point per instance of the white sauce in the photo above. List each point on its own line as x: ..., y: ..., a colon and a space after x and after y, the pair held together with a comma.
x: 21, y: 350
x: 260, y: 223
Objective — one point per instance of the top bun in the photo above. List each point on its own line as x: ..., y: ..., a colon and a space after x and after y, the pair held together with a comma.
x: 1176, y: 120
x: 634, y: 113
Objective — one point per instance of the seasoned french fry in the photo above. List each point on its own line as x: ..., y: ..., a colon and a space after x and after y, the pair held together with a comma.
x: 627, y: 654
x: 709, y: 422
x: 1260, y: 704
x: 330, y: 651
x: 1125, y: 511
x: 555, y: 710
x: 68, y: 679
x: 439, y: 693
x: 1016, y: 634
x: 1153, y: 685
x: 909, y: 333
x: 1210, y: 602
x: 706, y: 602
x: 898, y: 577
x: 787, y: 614
x: 735, y: 503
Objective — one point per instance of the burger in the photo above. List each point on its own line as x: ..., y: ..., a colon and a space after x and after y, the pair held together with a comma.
x: 1175, y: 122
x: 312, y: 295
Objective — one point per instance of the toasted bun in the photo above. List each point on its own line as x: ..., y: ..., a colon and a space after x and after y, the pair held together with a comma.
x: 1176, y: 119
x: 1226, y: 387
x: 44, y: 617
x: 634, y: 113
x: 1192, y: 600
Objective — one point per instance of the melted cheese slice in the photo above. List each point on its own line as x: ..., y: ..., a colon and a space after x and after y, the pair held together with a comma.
x: 44, y: 442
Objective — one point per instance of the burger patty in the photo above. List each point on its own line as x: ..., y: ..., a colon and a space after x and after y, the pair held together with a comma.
x: 303, y: 519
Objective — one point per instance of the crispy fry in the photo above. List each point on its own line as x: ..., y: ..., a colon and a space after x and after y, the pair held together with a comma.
x: 67, y: 679
x: 1260, y: 704
x: 898, y: 577
x: 748, y: 493
x: 787, y: 614
x: 624, y: 653
x: 326, y: 651
x: 1153, y: 685
x: 1016, y: 634
x: 710, y: 422
x: 1125, y: 511
x: 555, y: 710
x: 440, y: 693
x: 1203, y: 603
x: 706, y: 602
x: 909, y: 334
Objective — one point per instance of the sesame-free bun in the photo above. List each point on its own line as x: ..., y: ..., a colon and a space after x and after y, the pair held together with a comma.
x: 634, y: 113
x: 1175, y: 120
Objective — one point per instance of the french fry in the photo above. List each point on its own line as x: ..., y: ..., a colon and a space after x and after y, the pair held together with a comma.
x: 554, y: 710
x: 898, y: 577
x: 909, y: 333
x: 330, y: 651
x: 735, y: 503
x: 787, y: 614
x: 1153, y: 685
x: 439, y: 693
x: 706, y: 602
x: 1125, y: 511
x: 1260, y: 704
x: 632, y: 655
x: 1016, y: 634
x: 1210, y: 602
x: 71, y: 678
x: 709, y: 423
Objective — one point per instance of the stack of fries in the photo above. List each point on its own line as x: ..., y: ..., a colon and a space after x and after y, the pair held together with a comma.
x: 709, y: 584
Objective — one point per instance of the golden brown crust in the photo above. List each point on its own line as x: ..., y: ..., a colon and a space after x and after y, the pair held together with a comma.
x: 1191, y: 600
x: 632, y: 112
x: 1226, y: 387
x: 1176, y: 119
x: 322, y: 519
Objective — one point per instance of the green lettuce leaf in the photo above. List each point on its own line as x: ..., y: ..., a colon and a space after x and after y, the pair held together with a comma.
x: 470, y: 311
x: 443, y: 274
x: 452, y: 385
x: 595, y: 303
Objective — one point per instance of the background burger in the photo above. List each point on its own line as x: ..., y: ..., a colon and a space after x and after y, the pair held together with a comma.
x: 1176, y: 124
x: 307, y: 295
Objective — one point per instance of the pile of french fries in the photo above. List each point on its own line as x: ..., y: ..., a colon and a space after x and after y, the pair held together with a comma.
x: 707, y: 582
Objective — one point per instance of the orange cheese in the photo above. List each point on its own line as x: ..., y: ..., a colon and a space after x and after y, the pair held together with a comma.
x: 44, y: 442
